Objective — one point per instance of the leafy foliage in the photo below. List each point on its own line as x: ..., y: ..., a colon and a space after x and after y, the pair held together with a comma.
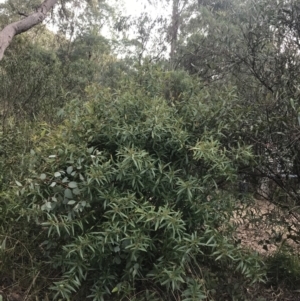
x: 283, y: 268
x: 129, y: 192
x: 118, y: 174
x: 38, y: 91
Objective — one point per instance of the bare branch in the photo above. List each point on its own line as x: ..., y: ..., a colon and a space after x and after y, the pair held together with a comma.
x: 9, y: 31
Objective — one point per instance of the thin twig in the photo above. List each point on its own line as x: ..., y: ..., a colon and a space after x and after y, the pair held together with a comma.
x: 31, y: 285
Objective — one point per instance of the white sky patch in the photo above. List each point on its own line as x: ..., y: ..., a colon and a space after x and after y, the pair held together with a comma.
x: 136, y: 7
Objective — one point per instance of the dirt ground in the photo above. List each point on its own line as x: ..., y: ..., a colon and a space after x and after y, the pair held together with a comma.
x: 265, y: 228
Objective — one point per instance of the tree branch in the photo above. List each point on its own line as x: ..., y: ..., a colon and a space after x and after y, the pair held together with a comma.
x: 9, y: 31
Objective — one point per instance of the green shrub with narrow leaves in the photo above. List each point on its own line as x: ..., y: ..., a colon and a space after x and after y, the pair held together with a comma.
x: 129, y: 197
x: 283, y: 268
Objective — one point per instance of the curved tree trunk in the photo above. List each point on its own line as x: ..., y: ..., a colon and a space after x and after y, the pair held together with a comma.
x: 9, y: 31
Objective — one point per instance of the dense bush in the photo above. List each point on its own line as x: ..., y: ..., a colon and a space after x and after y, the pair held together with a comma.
x: 119, y: 177
x: 31, y: 85
x: 283, y: 269
x: 128, y: 198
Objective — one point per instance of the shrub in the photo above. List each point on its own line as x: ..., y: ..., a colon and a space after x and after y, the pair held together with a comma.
x: 127, y: 195
x: 283, y: 268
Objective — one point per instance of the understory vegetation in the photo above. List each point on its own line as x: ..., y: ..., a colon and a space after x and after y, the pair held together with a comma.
x: 126, y: 172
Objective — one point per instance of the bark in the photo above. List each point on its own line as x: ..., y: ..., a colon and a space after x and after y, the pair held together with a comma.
x: 174, y: 30
x: 9, y: 31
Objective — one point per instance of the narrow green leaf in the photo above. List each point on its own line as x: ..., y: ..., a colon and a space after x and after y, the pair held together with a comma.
x: 3, y: 245
x: 115, y: 290
x: 19, y: 184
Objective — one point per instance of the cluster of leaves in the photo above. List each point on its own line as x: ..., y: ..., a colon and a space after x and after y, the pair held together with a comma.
x: 128, y: 196
x: 283, y: 268
x: 255, y: 47
x: 30, y: 83
x: 131, y: 195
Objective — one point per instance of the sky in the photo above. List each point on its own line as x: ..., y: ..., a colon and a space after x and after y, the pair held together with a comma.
x: 135, y: 7
x: 132, y: 7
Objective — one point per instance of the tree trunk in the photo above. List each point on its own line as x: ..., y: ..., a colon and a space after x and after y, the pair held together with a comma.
x: 174, y: 31
x: 9, y: 31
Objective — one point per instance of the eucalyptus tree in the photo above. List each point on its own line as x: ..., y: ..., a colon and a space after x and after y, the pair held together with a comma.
x: 156, y: 35
x: 185, y: 19
x: 66, y: 14
x: 181, y: 12
x: 20, y: 26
